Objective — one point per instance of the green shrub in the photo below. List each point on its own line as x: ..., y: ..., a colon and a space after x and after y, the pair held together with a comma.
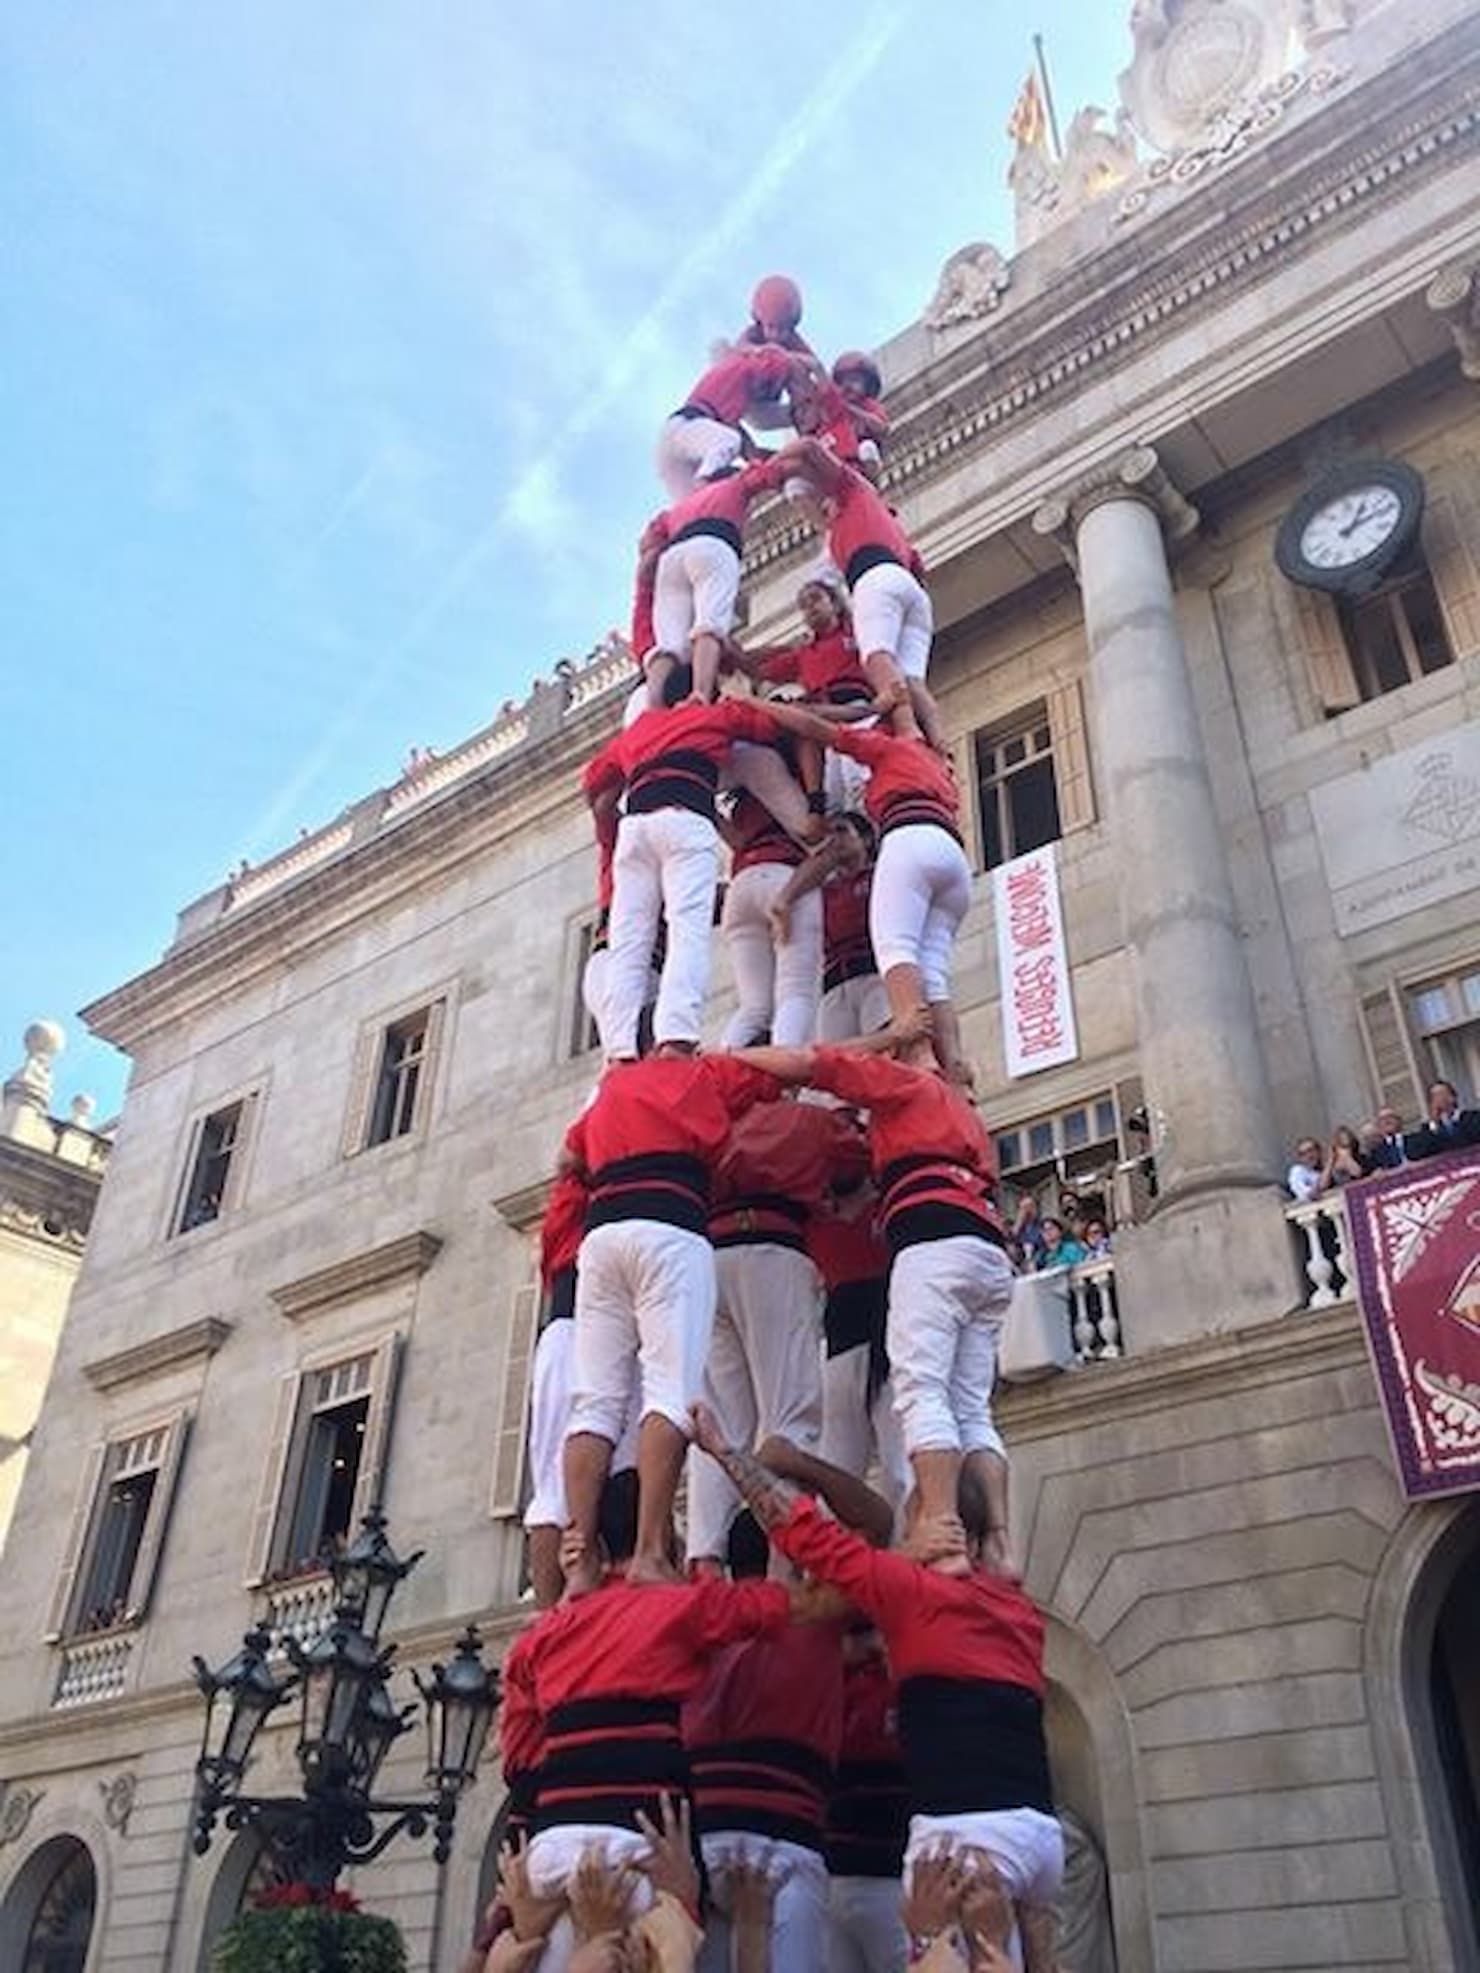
x: 310, y: 1938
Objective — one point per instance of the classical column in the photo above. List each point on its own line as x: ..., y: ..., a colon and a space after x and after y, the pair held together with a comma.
x: 1222, y: 1238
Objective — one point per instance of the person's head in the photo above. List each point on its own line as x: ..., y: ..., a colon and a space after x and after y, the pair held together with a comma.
x: 1027, y: 1210
x: 1052, y: 1231
x: 1308, y: 1153
x: 678, y: 684
x: 854, y: 837
x: 776, y: 308
x: 857, y: 375
x: 1069, y: 1207
x: 861, y: 1641
x: 1344, y: 1138
x: 1096, y: 1233
x: 1389, y: 1123
x: 747, y: 1551
x: 822, y: 606
x: 1443, y: 1101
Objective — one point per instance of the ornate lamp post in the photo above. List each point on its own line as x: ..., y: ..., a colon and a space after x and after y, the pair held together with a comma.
x: 348, y: 1723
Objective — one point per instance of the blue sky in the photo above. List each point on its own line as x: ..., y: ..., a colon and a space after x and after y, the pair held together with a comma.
x: 333, y: 344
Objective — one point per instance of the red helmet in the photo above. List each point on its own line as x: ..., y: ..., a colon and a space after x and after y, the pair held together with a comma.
x: 857, y: 363
x: 777, y: 303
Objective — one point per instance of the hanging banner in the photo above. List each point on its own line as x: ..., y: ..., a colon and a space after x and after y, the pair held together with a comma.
x: 1416, y: 1239
x: 1033, y: 966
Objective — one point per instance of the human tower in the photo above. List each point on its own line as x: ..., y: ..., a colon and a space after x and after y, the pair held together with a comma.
x: 779, y: 1267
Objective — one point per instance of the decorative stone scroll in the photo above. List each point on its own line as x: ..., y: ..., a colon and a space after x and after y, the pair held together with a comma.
x: 971, y: 285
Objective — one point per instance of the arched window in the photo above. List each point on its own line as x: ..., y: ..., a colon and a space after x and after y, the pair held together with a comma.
x: 61, y: 1926
x: 247, y: 1869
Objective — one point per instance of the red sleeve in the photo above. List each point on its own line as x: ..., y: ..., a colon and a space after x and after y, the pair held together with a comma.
x: 745, y: 720
x: 575, y: 1142
x: 721, y: 1613
x: 521, y: 1735
x: 863, y: 743
x: 782, y: 667
x: 604, y: 770
x: 772, y: 364
x: 886, y: 1586
x: 866, y: 1080
x: 739, y: 1086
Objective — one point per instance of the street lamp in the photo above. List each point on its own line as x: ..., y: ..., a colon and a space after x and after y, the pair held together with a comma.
x: 348, y: 1724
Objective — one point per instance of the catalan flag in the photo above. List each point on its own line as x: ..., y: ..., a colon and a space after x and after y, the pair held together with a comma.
x: 1028, y: 124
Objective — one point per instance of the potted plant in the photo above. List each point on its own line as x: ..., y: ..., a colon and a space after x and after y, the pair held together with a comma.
x: 294, y: 1928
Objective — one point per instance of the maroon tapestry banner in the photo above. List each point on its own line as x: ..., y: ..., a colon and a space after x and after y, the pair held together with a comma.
x: 1416, y: 1238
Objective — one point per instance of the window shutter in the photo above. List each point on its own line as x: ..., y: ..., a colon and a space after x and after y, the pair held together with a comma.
x: 82, y: 1517
x: 1390, y: 1052
x: 426, y: 1087
x: 385, y: 1378
x: 182, y: 1189
x: 1327, y: 660
x: 146, y: 1564
x: 1072, y: 778
x: 506, y: 1496
x: 362, y: 1075
x: 264, y: 1520
x: 963, y: 759
x: 1448, y: 531
x: 236, y: 1176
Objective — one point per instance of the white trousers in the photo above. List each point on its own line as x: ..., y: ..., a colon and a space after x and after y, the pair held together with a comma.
x: 1026, y: 1846
x: 858, y: 1006
x: 865, y: 1931
x: 799, y: 1915
x: 763, y: 1373
x: 555, y: 1856
x: 777, y: 987
x: 644, y: 1297
x: 948, y: 1300
x: 891, y: 612
x: 921, y: 892
x: 697, y: 583
x: 855, y: 1437
x: 691, y: 449
x: 550, y: 1400
x: 666, y: 868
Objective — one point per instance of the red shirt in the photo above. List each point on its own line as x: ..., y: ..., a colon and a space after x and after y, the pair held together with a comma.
x: 847, y: 949
x: 846, y: 1250
x: 862, y: 518
x: 706, y: 730
x: 934, y: 1626
x: 795, y: 1150
x: 561, y: 1227
x: 841, y: 428
x: 725, y: 501
x: 907, y: 782
x: 742, y: 377
x: 761, y: 838
x: 667, y: 1103
x: 820, y: 667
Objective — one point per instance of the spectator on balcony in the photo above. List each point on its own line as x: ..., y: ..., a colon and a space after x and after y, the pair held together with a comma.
x: 1072, y: 1214
x: 1388, y: 1147
x: 1343, y: 1161
x: 1303, y: 1180
x: 1448, y: 1127
x: 1027, y: 1231
x: 1060, y: 1248
x: 1096, y: 1239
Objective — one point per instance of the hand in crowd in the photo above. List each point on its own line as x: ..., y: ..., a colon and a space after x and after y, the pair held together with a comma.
x: 600, y: 1897
x: 750, y: 1891
x: 933, y: 1539
x: 608, y: 1954
x: 986, y: 1909
x: 510, y: 1954
x: 669, y: 1866
x: 778, y: 917
x: 932, y: 1903
x: 708, y: 1433
x: 533, y: 1916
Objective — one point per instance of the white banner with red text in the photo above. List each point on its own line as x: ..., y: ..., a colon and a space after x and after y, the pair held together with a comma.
x: 1038, y: 1029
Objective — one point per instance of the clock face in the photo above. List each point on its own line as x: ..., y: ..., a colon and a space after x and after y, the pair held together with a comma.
x: 1351, y: 526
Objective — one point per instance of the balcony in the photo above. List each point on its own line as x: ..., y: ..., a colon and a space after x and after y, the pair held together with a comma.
x: 1321, y: 1235
x: 1061, y: 1319
x: 93, y: 1669
x: 301, y: 1609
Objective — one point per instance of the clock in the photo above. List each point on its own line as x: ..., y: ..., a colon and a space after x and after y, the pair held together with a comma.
x: 1353, y: 524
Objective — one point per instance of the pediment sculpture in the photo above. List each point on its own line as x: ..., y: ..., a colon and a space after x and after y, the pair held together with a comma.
x: 971, y: 285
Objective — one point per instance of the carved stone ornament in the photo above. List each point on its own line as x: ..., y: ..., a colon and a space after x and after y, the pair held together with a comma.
x: 971, y: 284
x: 1135, y: 474
x: 118, y: 1799
x: 1196, y: 59
x: 17, y: 1806
x: 1454, y: 296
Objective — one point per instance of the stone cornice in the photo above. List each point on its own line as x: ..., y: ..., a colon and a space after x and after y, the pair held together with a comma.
x: 1146, y: 282
x: 1136, y: 474
x: 1236, y: 1361
x: 361, y: 1274
x: 158, y: 1354
x: 524, y: 1209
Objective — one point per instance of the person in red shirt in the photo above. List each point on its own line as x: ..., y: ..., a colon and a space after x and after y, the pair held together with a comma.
x: 665, y: 859
x: 846, y: 414
x: 842, y: 867
x: 950, y: 1278
x: 775, y: 316
x: 763, y: 1374
x: 867, y: 1816
x: 697, y: 577
x: 704, y: 436
x: 647, y: 1144
x: 892, y: 618
x: 966, y: 1647
x: 642, y: 636
x: 545, y: 1517
x: 826, y: 666
x: 922, y: 880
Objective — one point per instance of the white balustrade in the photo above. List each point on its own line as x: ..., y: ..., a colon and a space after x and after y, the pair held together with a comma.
x: 1324, y: 1242
x: 94, y: 1668
x: 302, y: 1609
x: 1096, y: 1313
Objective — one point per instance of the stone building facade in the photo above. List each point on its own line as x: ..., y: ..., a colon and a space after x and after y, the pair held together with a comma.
x: 309, y: 1276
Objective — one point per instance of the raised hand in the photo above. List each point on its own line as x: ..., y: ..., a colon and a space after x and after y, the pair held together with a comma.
x: 669, y: 1865
x: 533, y: 1916
x: 708, y: 1435
x: 932, y: 1903
x: 600, y: 1896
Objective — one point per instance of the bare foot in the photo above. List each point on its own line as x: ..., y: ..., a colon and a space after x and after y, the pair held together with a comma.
x: 998, y: 1558
x: 649, y: 1569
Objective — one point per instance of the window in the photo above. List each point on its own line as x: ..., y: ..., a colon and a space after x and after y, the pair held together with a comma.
x: 394, y: 1073
x: 117, y: 1532
x: 326, y: 1460
x: 216, y: 1141
x: 1017, y: 789
x: 1076, y: 1149
x: 403, y: 1054
x: 1446, y: 1017
x: 60, y: 1932
x: 1395, y: 635
x: 582, y: 1034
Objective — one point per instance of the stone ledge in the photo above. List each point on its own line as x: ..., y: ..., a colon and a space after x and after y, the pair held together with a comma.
x: 361, y: 1274
x: 524, y: 1209
x: 159, y: 1353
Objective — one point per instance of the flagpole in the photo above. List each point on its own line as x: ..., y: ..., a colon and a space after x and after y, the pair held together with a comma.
x: 1053, y: 115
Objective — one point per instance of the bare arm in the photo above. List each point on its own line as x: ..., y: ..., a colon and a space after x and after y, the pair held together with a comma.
x: 768, y: 1497
x: 804, y: 721
x: 814, y: 462
x: 852, y: 1500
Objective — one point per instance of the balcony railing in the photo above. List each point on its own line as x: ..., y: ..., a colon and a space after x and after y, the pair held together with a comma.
x: 94, y: 1668
x: 1322, y: 1237
x: 301, y: 1609
x: 1061, y: 1318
